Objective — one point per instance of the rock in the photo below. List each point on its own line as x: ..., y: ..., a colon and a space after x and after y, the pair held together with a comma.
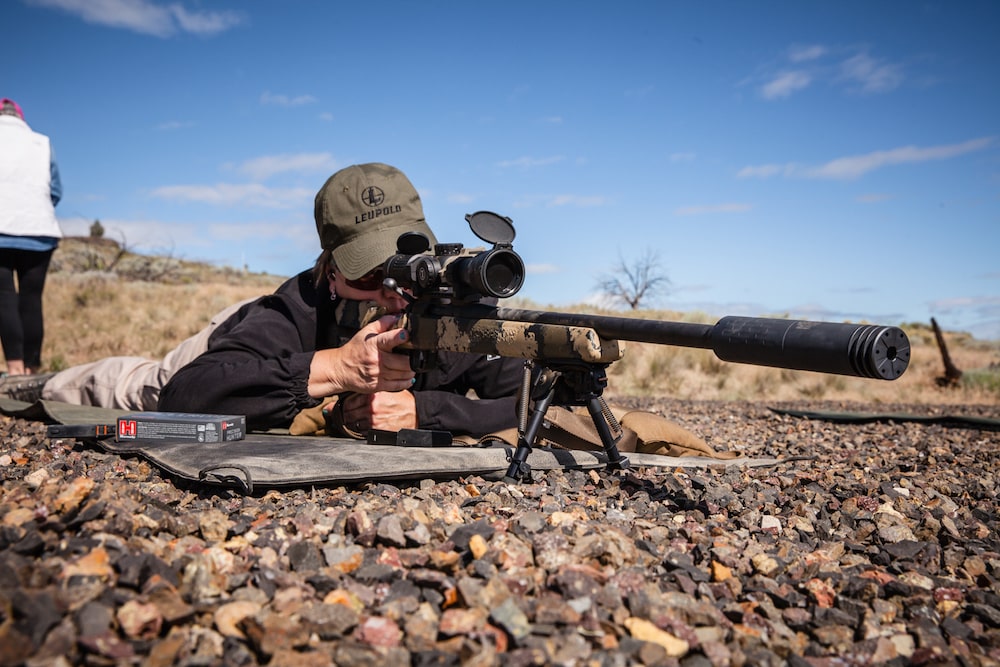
x: 228, y: 616
x: 643, y: 630
x: 881, y: 548
x: 509, y: 616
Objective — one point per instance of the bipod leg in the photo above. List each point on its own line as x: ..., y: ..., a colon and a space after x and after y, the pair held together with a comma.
x: 519, y: 467
x: 601, y: 415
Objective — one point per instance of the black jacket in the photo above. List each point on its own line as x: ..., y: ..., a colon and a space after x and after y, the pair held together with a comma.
x: 257, y: 364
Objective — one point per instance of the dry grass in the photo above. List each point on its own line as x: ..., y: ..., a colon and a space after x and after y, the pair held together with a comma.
x: 102, y: 302
x: 90, y: 316
x: 143, y: 307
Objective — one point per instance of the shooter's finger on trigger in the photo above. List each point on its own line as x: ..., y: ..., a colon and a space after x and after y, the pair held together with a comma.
x: 389, y: 340
x: 379, y: 326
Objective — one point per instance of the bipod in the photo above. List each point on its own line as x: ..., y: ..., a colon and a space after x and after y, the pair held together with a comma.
x: 565, y: 383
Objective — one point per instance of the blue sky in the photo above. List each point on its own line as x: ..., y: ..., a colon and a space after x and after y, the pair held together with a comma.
x: 827, y: 160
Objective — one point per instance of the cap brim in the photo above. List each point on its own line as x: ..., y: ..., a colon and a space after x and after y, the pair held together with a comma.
x: 363, y: 254
x: 369, y: 250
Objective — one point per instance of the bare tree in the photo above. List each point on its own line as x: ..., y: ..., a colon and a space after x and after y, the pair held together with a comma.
x: 635, y: 282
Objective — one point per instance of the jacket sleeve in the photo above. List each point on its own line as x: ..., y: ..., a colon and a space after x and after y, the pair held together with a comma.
x: 442, y: 397
x: 55, y: 183
x: 257, y: 364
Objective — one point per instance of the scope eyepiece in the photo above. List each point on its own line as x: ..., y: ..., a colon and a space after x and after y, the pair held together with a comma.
x: 414, y: 271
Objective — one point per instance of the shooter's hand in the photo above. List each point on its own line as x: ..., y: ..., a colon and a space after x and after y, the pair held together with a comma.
x: 365, y: 364
x: 389, y: 411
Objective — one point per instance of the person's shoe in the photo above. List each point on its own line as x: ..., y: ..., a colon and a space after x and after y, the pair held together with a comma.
x: 27, y: 388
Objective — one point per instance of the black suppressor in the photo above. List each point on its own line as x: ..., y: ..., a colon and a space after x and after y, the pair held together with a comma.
x: 864, y: 350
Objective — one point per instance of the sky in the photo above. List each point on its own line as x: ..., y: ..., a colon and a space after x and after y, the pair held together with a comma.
x: 834, y: 161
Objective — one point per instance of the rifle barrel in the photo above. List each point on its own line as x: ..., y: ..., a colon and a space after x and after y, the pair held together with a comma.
x: 860, y: 350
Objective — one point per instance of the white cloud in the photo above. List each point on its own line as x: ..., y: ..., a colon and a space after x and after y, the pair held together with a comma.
x: 527, y: 161
x: 784, y: 84
x: 712, y: 208
x: 284, y: 100
x: 145, y: 16
x: 242, y: 194
x: 803, y: 53
x: 682, y: 157
x: 266, y: 166
x: 989, y: 304
x: 137, y: 235
x: 981, y: 314
x: 273, y: 244
x: 264, y: 230
x: 855, y: 166
x: 762, y: 170
x: 873, y: 75
x: 851, y: 167
x: 845, y: 67
x: 204, y: 23
x: 537, y: 269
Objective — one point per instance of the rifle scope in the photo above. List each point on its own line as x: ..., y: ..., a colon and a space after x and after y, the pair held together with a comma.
x: 498, y: 272
x: 456, y: 272
x: 861, y: 350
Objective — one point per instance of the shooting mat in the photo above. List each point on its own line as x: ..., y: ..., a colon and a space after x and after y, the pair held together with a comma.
x: 276, y: 459
x: 970, y: 421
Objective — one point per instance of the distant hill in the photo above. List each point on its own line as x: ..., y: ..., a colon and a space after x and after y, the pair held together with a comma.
x: 87, y: 254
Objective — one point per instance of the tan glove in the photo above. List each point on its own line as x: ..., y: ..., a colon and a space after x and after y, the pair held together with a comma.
x: 311, y: 421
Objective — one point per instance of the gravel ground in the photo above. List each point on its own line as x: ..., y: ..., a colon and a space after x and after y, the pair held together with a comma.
x: 879, y: 547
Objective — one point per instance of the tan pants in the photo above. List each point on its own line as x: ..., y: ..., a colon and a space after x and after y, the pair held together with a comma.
x: 129, y: 383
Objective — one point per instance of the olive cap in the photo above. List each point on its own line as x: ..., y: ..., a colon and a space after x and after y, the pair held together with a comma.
x: 360, y: 212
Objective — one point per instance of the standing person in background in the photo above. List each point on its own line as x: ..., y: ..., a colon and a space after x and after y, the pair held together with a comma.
x: 29, y: 233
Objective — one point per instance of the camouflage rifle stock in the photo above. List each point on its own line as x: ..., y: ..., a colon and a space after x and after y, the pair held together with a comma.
x: 572, y: 352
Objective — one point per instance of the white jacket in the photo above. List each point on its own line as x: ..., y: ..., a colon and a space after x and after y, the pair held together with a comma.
x: 25, y: 187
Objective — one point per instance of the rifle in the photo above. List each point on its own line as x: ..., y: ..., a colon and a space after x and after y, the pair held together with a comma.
x: 566, y: 355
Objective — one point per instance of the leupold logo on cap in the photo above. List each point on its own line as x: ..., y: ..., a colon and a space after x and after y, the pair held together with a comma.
x: 372, y: 196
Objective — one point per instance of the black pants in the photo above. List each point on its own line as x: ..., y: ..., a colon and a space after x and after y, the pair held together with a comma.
x: 21, y: 325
